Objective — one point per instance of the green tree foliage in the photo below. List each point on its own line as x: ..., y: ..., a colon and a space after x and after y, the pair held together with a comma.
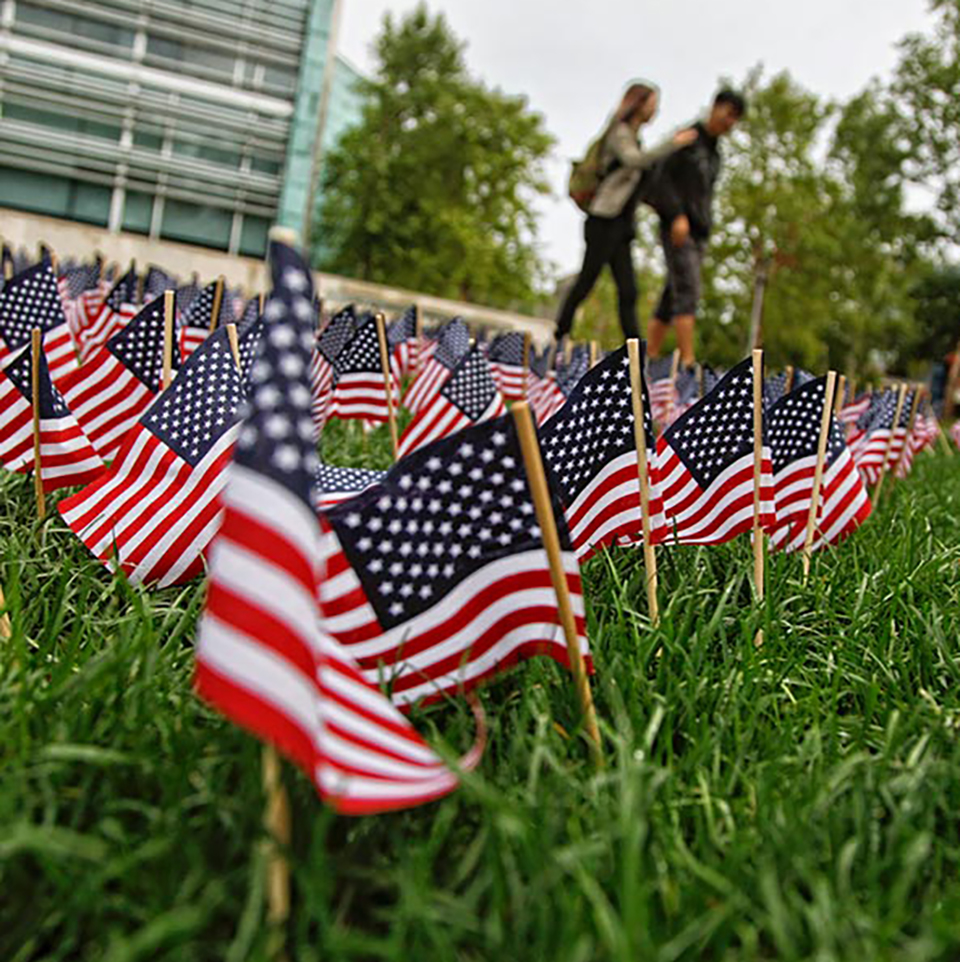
x: 925, y: 98
x: 433, y: 190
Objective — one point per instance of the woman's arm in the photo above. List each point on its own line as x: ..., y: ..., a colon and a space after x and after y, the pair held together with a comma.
x: 623, y: 144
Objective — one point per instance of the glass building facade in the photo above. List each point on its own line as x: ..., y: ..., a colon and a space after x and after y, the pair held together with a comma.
x: 190, y: 120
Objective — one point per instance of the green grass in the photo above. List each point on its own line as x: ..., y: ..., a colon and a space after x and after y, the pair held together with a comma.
x: 797, y: 801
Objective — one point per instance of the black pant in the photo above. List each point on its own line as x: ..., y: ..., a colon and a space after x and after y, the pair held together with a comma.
x: 608, y: 242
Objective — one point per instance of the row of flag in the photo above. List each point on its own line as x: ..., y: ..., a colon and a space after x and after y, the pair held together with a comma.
x: 330, y: 585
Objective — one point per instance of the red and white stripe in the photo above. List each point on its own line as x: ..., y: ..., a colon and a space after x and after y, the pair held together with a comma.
x: 60, y: 352
x: 96, y: 325
x: 152, y: 514
x: 503, y: 612
x: 189, y: 338
x: 511, y: 380
x: 66, y: 457
x: 607, y: 510
x: 441, y: 419
x: 107, y: 399
x: 433, y: 375
x: 851, y: 413
x: 264, y: 661
x: 844, y: 506
x: 361, y: 395
x: 719, y: 512
x: 546, y: 398
x: 321, y: 384
x: 868, y: 453
x: 663, y: 401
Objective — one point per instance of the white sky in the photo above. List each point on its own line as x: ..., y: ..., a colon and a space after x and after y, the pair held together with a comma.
x: 572, y: 60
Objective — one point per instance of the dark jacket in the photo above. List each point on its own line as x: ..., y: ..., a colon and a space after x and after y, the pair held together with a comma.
x: 683, y: 184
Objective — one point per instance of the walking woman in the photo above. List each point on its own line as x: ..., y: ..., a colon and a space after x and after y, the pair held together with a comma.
x: 610, y: 227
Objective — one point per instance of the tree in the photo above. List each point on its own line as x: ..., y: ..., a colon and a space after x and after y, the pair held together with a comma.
x: 924, y: 95
x: 433, y: 189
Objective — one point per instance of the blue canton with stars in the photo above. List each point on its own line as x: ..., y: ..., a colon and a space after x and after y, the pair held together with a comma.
x: 19, y: 370
x: 879, y: 415
x: 331, y: 479
x: 569, y: 375
x: 595, y: 425
x: 337, y: 333
x: 718, y: 430
x: 361, y: 353
x: 82, y: 278
x: 793, y: 426
x: 201, y: 403
x: 471, y: 387
x: 453, y: 341
x: 507, y: 349
x: 123, y: 292
x: 200, y: 311
x: 278, y: 438
x: 28, y: 300
x: 403, y: 328
x: 139, y: 346
x: 441, y: 514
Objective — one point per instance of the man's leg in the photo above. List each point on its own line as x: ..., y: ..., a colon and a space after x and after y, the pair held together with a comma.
x: 598, y: 235
x: 686, y: 296
x: 656, y: 332
x: 621, y: 263
x: 683, y: 324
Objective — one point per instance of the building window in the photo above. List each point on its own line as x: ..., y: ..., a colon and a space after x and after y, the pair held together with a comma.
x: 55, y: 196
x: 137, y: 211
x: 71, y: 26
x: 196, y: 224
x: 253, y: 236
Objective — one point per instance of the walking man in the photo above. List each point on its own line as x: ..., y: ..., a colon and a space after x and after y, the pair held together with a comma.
x: 681, y: 192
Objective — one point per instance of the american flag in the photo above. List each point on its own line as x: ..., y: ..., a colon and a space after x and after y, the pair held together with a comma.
x: 507, y: 363
x: 775, y: 387
x: 156, y: 282
x: 552, y: 391
x: 852, y: 411
x: 358, y: 389
x: 77, y: 280
x: 334, y: 337
x: 663, y: 389
x: 437, y: 362
x: 66, y: 457
x: 334, y: 484
x: 874, y: 428
x: 262, y: 656
x: 157, y: 508
x: 590, y: 449
x: 468, y: 396
x: 110, y: 392
x: 437, y: 576
x: 403, y: 344
x: 901, y: 432
x: 794, y: 431
x: 32, y: 299
x: 706, y: 465
x: 98, y: 319
x: 196, y: 320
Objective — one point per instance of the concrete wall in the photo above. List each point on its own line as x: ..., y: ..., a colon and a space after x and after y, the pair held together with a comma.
x: 71, y: 239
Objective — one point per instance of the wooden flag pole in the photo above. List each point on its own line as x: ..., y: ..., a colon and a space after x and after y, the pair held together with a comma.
x: 217, y: 301
x: 917, y: 395
x: 594, y: 353
x: 674, y: 364
x: 263, y: 300
x: 234, y: 345
x: 543, y: 505
x: 526, y: 363
x: 886, y: 454
x: 788, y: 383
x: 5, y: 629
x: 168, y: 311
x: 277, y: 822
x: 759, y: 547
x: 7, y: 270
x: 953, y: 377
x: 839, y: 398
x: 567, y: 351
x: 825, y: 422
x: 418, y: 336
x: 388, y: 384
x: 640, y: 436
x: 36, y: 346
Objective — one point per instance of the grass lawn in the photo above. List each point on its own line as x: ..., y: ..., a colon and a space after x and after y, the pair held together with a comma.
x: 797, y: 801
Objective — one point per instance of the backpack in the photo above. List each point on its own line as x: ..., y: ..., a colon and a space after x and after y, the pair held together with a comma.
x: 587, y: 174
